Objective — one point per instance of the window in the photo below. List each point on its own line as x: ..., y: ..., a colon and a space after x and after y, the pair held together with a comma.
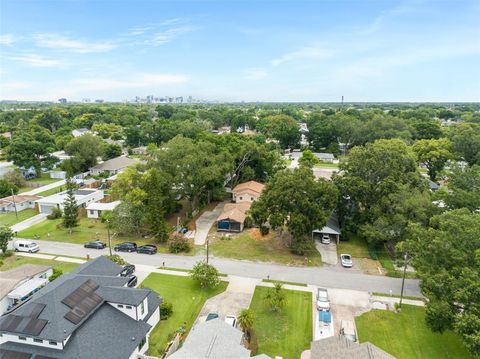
x: 52, y: 342
x: 251, y: 198
x: 128, y: 306
x: 22, y: 338
x: 241, y: 198
x: 142, y: 308
x: 92, y: 212
x: 38, y: 340
x: 120, y: 305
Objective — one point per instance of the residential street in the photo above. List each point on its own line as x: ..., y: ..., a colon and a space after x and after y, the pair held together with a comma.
x: 331, y: 277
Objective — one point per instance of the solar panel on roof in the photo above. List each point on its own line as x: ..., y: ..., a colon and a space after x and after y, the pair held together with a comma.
x: 82, y: 301
x: 72, y: 317
x: 42, y: 357
x: 80, y: 293
x: 23, y: 325
x: 37, y: 308
x: 35, y: 326
x: 16, y: 320
x: 11, y: 354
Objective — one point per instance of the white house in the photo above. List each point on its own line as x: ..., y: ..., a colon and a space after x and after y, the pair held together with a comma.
x: 18, y: 284
x: 113, y: 166
x: 80, y: 132
x: 83, y: 197
x: 95, y: 209
x: 22, y: 202
x: 325, y: 157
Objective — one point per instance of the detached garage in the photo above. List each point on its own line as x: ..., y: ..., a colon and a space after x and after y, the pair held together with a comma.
x: 231, y: 221
x: 331, y: 229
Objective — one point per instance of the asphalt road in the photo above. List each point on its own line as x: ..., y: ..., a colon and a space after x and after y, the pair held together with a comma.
x: 327, y: 276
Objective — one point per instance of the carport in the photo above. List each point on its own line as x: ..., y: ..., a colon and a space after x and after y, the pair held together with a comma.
x: 331, y: 228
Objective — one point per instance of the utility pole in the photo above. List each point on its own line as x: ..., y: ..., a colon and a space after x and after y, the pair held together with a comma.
x: 403, y: 280
x: 109, y: 239
x: 14, y: 204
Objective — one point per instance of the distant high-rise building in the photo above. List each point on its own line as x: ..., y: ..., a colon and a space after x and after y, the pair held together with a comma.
x: 86, y: 100
x: 62, y: 100
x: 179, y: 99
x: 189, y: 100
x: 99, y: 100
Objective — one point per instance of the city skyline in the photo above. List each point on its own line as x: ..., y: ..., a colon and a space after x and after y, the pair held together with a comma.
x: 266, y: 51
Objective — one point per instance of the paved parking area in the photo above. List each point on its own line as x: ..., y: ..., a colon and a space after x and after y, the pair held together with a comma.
x: 328, y: 252
x: 205, y: 222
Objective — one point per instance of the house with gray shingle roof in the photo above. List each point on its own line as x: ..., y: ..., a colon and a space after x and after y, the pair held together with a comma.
x: 88, y: 313
x: 339, y: 347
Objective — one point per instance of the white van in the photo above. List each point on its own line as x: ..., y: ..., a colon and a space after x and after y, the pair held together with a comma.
x: 23, y: 245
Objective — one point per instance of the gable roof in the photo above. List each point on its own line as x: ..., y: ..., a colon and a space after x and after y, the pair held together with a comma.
x: 235, y: 211
x: 19, y: 198
x: 339, y: 347
x: 115, y: 164
x: 252, y: 186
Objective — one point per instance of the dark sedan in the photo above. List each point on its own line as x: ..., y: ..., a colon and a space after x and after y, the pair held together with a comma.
x: 127, y: 270
x: 132, y: 281
x: 126, y: 247
x: 147, y: 249
x: 95, y: 245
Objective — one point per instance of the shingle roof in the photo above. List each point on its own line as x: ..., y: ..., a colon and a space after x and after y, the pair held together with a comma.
x: 19, y: 198
x: 122, y: 295
x: 252, y: 186
x: 235, y: 211
x: 338, y: 347
x: 100, y: 266
x: 115, y: 164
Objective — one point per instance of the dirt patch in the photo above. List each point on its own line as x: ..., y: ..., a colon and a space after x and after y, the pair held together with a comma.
x: 255, y: 234
x: 370, y: 266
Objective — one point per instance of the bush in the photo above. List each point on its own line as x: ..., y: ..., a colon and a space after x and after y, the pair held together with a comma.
x: 56, y: 213
x: 8, y: 253
x: 178, y: 244
x: 166, y: 310
x: 57, y: 272
x: 264, y: 230
x: 205, y: 274
x: 115, y: 258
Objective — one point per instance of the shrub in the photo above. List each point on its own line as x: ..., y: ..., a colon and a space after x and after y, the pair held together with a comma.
x: 205, y: 274
x: 264, y: 230
x: 117, y: 259
x: 178, y: 244
x: 166, y: 310
x: 1, y: 263
x: 56, y: 213
x: 57, y: 272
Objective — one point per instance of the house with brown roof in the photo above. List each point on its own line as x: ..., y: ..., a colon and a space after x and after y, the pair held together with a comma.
x: 22, y: 202
x: 247, y: 192
x: 232, y: 219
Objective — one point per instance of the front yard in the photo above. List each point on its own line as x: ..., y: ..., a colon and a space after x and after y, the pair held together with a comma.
x: 406, y: 336
x: 86, y: 231
x: 250, y: 245
x: 15, y: 261
x: 286, y: 333
x: 9, y: 218
x: 187, y: 299
x: 43, y: 180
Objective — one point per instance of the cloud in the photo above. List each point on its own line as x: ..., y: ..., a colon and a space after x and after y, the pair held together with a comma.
x: 255, y: 73
x: 7, y: 39
x: 17, y: 85
x: 168, y: 35
x: 142, y: 80
x: 55, y: 41
x: 310, y: 52
x: 35, y: 60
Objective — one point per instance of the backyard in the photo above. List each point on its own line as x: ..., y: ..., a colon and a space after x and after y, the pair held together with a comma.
x: 406, y: 336
x: 14, y: 261
x: 286, y: 333
x: 187, y: 299
x: 43, y: 180
x: 9, y: 218
x: 252, y: 246
x: 86, y: 231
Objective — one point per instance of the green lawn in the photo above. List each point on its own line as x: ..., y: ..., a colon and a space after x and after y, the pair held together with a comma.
x: 287, y: 333
x: 87, y: 230
x: 406, y: 336
x: 326, y: 165
x: 43, y: 180
x: 15, y: 261
x: 8, y: 219
x: 355, y: 246
x: 187, y: 299
x: 51, y: 191
x: 268, y: 249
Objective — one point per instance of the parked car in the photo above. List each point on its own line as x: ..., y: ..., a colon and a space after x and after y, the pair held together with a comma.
x: 347, y: 329
x: 323, y: 303
x: 132, y: 281
x: 346, y: 260
x: 231, y: 320
x: 126, y: 247
x: 127, y: 270
x: 211, y: 316
x: 95, y: 245
x: 183, y: 230
x: 23, y: 245
x: 325, y: 239
x: 147, y: 249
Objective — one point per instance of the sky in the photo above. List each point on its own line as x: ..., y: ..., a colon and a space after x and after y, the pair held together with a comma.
x: 292, y: 51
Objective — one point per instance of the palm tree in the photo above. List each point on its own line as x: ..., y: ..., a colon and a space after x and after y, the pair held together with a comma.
x: 246, y: 319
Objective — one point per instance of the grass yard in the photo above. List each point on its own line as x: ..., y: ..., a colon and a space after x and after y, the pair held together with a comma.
x: 51, y: 191
x: 8, y: 219
x: 406, y: 336
x: 287, y: 333
x: 187, y: 299
x: 87, y: 230
x: 326, y: 165
x: 43, y: 180
x: 252, y: 246
x: 14, y: 261
x: 355, y: 246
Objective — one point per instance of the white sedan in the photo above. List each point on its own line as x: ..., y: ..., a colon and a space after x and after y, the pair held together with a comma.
x: 346, y: 260
x: 231, y: 320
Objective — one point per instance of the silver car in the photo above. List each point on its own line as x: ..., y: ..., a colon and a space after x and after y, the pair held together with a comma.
x: 346, y: 260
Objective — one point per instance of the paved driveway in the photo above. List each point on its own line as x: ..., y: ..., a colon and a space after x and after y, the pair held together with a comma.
x: 205, y: 222
x: 236, y: 297
x: 29, y: 222
x: 328, y: 252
